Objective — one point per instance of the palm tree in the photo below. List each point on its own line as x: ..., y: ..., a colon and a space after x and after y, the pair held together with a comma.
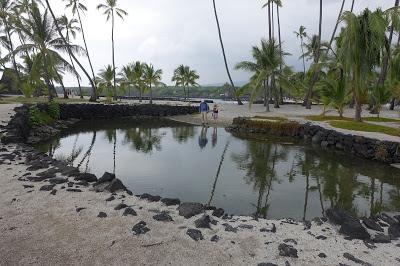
x: 360, y: 44
x: 77, y: 7
x: 185, y: 77
x: 152, y: 77
x: 302, y: 34
x: 42, y: 39
x: 105, y: 81
x: 336, y: 26
x: 69, y: 28
x: 179, y: 78
x: 380, y: 96
x: 315, y: 75
x: 224, y: 55
x: 110, y: 8
x: 267, y: 61
x: 139, y: 82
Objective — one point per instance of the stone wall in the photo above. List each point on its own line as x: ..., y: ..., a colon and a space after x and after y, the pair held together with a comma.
x: 373, y: 149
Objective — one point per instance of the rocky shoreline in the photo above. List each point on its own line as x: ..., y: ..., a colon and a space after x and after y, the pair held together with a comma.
x: 224, y: 239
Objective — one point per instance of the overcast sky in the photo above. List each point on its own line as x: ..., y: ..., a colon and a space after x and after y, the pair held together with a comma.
x: 168, y: 33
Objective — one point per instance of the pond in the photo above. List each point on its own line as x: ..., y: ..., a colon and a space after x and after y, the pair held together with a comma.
x: 271, y: 177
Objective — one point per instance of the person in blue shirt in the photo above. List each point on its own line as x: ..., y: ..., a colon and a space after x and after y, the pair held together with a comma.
x: 204, y: 109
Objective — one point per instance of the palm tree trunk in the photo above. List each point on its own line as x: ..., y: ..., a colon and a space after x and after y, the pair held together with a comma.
x: 265, y: 95
x: 268, y: 95
x: 269, y: 22
x: 113, y: 54
x: 224, y: 55
x: 47, y: 80
x: 385, y: 66
x: 316, y: 74
x: 7, y: 29
x: 280, y: 48
x: 93, y: 96
x: 151, y: 94
x: 184, y: 93
x: 140, y: 95
x: 76, y: 73
x: 306, y: 197
x: 62, y: 84
x: 276, y: 93
x: 336, y: 27
x: 69, y: 47
x: 358, y: 117
x: 352, y: 6
x: 302, y: 53
x: 273, y: 20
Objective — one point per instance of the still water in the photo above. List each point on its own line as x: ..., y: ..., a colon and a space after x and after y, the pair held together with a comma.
x: 273, y: 178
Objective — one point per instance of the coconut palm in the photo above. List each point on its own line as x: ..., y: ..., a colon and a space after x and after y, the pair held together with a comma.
x: 69, y: 28
x: 360, y: 44
x: 185, y: 77
x: 152, y: 77
x: 317, y: 57
x: 43, y: 40
x: 110, y: 9
x: 105, y: 81
x: 380, y: 96
x: 302, y: 34
x: 77, y: 7
x: 224, y: 55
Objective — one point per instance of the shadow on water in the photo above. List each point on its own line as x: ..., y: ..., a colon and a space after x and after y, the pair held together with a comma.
x: 272, y: 178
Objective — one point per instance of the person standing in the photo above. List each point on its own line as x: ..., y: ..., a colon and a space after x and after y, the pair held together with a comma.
x: 215, y: 112
x: 204, y: 109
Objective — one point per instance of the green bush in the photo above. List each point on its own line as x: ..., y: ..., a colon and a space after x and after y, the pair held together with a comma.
x: 54, y: 110
x: 37, y: 117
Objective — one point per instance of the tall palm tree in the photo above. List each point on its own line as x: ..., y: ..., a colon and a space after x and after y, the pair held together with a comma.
x: 302, y: 34
x: 315, y: 75
x: 110, y: 9
x: 69, y: 28
x: 185, y: 77
x: 69, y: 48
x: 152, y: 77
x: 336, y: 26
x: 224, y: 55
x: 77, y: 7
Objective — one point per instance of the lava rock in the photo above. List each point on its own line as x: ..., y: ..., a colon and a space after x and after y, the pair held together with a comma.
x: 321, y: 237
x: 195, y: 234
x: 140, y: 228
x: 110, y: 198
x: 307, y: 225
x: 36, y: 178
x: 354, y: 229
x: 371, y: 224
x: 53, y: 192
x: 150, y: 198
x: 129, y: 211
x: 28, y: 186
x: 107, y: 177
x: 387, y: 219
x: 47, y: 188
x: 267, y: 264
x: 381, y: 238
x: 289, y: 240
x: 163, y: 217
x: 170, y: 202
x: 86, y: 177
x: 215, y: 238
x: 78, y: 210
x: 203, y: 222
x: 229, y: 228
x: 338, y: 216
x: 354, y: 259
x: 322, y: 255
x: 394, y: 231
x: 102, y: 215
x: 190, y: 209
x: 120, y: 206
x: 115, y: 185
x: 58, y: 180
x: 75, y: 190
x: 37, y: 165
x: 246, y: 226
x: 82, y: 183
x: 218, y: 213
x: 287, y: 251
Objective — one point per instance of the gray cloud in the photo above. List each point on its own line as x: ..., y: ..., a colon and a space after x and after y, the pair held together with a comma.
x: 173, y: 32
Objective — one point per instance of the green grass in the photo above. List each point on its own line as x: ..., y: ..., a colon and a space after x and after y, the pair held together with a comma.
x: 270, y: 118
x: 321, y: 118
x: 365, y: 127
x: 33, y: 100
x: 381, y: 119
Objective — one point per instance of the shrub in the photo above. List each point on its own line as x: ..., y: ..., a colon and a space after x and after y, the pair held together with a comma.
x: 37, y: 117
x: 54, y: 110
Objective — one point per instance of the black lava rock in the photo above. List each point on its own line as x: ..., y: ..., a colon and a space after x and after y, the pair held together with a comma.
x: 86, y: 177
x: 150, y: 198
x: 307, y: 225
x: 170, y: 202
x: 58, y: 180
x: 107, y: 177
x: 129, y: 211
x: 78, y: 210
x: 354, y: 229
x: 371, y: 224
x: 354, y: 259
x: 218, y: 213
x: 267, y: 264
x: 214, y: 238
x: 75, y: 190
x: 322, y: 255
x: 190, y: 209
x: 140, y: 228
x: 115, y: 185
x: 53, y: 192
x: 229, y: 228
x: 195, y: 234
x: 394, y: 231
x: 287, y: 251
x: 102, y: 215
x: 111, y: 198
x: 163, y: 217
x: 47, y: 188
x: 120, y: 206
x: 203, y: 222
x: 381, y: 238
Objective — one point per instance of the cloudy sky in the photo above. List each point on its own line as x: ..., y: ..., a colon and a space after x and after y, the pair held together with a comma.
x: 174, y: 32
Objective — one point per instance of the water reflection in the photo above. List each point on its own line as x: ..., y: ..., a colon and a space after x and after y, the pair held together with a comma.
x: 270, y: 178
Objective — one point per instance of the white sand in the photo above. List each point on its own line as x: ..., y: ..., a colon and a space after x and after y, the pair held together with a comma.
x: 41, y: 229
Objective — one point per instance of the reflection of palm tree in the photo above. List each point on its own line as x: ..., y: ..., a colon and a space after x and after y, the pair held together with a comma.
x: 88, y: 153
x: 218, y: 172
x: 111, y: 135
x: 143, y: 139
x: 184, y: 133
x: 214, y: 138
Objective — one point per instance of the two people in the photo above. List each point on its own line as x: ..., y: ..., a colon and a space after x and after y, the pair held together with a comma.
x: 204, y: 109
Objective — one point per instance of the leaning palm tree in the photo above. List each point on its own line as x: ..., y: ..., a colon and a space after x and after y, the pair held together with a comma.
x: 152, y: 77
x: 224, y: 55
x: 110, y: 9
x: 43, y: 40
x: 77, y: 7
x: 69, y: 28
x: 302, y: 34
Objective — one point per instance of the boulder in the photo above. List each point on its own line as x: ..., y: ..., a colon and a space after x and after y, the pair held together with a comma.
x: 218, y: 213
x: 86, y: 177
x: 102, y: 215
x: 170, y: 202
x: 140, y: 228
x: 229, y: 228
x: 287, y: 251
x: 163, y: 217
x: 47, y: 188
x: 58, y: 180
x: 381, y: 238
x: 120, y: 206
x: 115, y: 185
x: 214, y: 238
x: 203, y: 222
x: 107, y: 177
x: 354, y: 229
x: 371, y: 224
x: 195, y: 234
x: 150, y: 198
x: 394, y: 231
x: 129, y: 211
x: 190, y: 209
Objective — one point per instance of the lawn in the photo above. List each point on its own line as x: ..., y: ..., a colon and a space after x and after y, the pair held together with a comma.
x: 321, y: 118
x: 365, y: 127
x: 381, y: 119
x: 270, y: 118
x: 20, y: 99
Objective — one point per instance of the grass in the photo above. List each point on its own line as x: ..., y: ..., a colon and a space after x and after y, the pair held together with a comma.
x: 321, y: 118
x: 270, y: 118
x: 23, y: 100
x: 381, y: 119
x: 365, y: 127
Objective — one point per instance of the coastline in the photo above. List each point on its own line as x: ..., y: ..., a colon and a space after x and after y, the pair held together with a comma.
x: 41, y: 228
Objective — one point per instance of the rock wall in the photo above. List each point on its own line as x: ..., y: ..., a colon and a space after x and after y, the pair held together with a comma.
x: 384, y: 151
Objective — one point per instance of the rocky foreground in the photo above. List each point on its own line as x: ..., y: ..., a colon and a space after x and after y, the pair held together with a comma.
x: 52, y: 214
